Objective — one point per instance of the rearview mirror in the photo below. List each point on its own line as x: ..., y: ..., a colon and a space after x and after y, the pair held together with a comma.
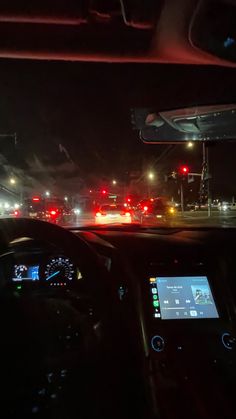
x: 202, y: 123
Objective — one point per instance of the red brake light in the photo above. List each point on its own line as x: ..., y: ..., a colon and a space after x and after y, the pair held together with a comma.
x: 98, y: 214
x: 127, y: 214
x: 36, y: 199
x: 145, y: 208
x: 16, y: 212
x: 53, y: 212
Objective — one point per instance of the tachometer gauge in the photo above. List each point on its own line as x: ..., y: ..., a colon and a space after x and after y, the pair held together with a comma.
x: 59, y: 270
x: 20, y: 272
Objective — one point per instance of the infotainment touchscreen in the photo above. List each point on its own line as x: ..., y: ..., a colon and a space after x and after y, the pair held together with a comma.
x: 182, y: 297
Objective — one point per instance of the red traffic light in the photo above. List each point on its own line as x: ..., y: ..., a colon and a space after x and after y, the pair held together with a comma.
x: 184, y: 170
x: 104, y: 192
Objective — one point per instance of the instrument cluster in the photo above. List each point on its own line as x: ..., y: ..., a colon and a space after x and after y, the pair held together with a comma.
x: 58, y: 270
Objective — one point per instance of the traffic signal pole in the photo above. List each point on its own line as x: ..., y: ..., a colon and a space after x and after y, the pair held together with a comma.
x: 208, y: 184
x: 184, y: 171
x: 205, y: 181
x: 182, y: 197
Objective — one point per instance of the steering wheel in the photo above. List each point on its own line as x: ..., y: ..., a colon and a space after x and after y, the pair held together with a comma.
x: 53, y: 350
x: 75, y: 247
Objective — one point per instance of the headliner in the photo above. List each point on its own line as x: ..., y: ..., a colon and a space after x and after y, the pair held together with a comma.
x: 153, y: 31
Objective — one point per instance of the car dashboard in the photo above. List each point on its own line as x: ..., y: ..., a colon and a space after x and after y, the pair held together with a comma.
x: 183, y: 285
x: 177, y: 293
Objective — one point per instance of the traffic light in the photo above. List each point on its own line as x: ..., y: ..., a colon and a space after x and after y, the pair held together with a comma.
x: 104, y: 192
x: 184, y: 170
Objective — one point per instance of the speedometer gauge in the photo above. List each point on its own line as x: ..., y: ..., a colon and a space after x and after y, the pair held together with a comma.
x: 59, y: 270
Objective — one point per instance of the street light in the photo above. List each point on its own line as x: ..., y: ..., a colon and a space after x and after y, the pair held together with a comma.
x: 66, y: 198
x: 12, y: 181
x: 151, y: 175
x: 47, y: 193
x: 190, y: 144
x: 114, y: 182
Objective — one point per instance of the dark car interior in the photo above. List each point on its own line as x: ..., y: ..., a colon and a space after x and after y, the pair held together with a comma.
x: 91, y: 320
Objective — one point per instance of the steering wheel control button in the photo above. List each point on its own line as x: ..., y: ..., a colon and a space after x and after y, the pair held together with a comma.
x: 228, y: 341
x: 157, y: 343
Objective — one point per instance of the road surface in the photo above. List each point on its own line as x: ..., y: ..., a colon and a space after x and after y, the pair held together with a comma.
x: 190, y: 218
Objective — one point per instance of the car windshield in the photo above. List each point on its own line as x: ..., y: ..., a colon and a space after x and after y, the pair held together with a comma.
x: 69, y: 150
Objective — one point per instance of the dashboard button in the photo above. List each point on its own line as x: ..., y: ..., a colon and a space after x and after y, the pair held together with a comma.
x: 228, y: 340
x: 157, y: 343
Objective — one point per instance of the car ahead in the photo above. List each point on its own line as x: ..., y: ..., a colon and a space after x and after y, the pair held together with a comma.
x: 224, y: 206
x: 232, y: 206
x: 107, y: 214
x: 155, y: 211
x: 51, y: 210
x: 227, y: 206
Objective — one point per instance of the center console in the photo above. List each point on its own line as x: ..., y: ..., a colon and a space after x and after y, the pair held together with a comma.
x: 191, y: 339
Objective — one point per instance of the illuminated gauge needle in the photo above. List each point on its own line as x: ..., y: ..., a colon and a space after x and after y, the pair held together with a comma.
x: 51, y: 276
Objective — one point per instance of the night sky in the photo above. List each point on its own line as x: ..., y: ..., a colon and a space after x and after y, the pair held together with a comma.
x: 73, y: 119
